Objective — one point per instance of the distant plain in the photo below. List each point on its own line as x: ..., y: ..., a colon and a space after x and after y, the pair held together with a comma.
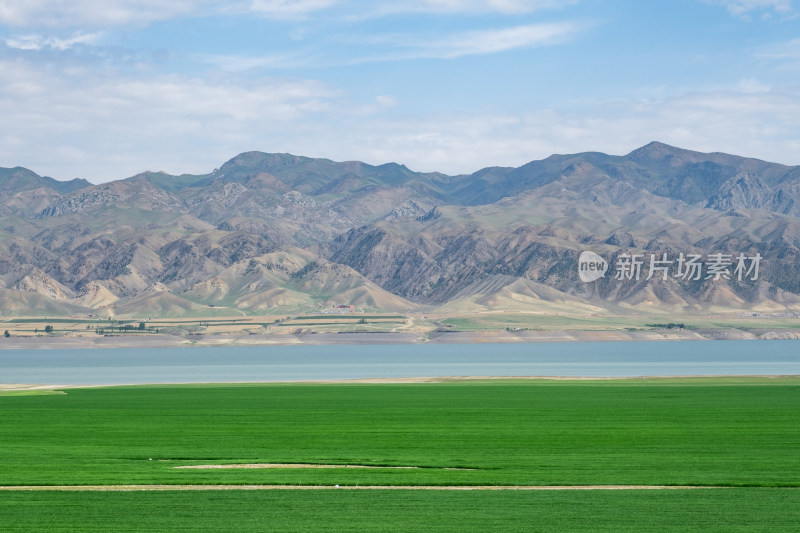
x: 316, y: 327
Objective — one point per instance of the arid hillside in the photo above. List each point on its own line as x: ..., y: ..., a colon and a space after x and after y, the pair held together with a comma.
x: 678, y: 231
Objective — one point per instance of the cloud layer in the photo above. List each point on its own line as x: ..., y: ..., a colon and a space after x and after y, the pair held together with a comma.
x: 74, y: 123
x: 745, y: 8
x: 102, y: 13
x: 316, y: 80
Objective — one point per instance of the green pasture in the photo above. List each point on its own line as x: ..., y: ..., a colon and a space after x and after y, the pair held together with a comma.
x: 515, y: 433
x: 737, y: 433
x: 723, y: 510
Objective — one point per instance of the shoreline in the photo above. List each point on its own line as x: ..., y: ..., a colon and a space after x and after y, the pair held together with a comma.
x: 22, y: 387
x: 375, y: 338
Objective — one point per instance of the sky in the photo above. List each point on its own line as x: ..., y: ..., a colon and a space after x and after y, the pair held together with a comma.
x: 105, y: 89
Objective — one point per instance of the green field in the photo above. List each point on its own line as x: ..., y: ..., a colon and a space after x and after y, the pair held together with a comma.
x: 725, y: 510
x: 736, y: 433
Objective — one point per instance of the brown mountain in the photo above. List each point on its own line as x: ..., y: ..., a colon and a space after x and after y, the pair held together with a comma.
x: 281, y: 233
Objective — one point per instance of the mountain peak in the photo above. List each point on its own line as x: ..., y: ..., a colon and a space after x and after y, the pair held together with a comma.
x: 655, y: 150
x: 279, y: 233
x: 20, y: 178
x: 264, y: 159
x: 662, y: 156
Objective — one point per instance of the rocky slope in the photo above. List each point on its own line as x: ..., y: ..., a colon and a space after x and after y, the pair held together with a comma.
x: 275, y: 233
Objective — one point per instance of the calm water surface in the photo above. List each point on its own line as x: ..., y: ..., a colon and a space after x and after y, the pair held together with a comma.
x: 338, y: 362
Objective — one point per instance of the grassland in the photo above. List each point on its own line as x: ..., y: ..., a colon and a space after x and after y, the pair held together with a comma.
x: 303, y: 511
x: 738, y: 433
x: 523, y: 433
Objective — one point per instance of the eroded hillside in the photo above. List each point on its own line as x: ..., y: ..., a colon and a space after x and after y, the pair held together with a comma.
x: 275, y: 233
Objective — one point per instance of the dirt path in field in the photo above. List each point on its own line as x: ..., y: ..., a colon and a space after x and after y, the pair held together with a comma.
x: 133, y: 488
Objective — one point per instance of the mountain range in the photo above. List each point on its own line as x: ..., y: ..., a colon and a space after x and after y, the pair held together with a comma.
x: 278, y: 233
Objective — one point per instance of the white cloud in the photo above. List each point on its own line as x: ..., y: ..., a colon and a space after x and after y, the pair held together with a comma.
x: 479, y: 42
x: 76, y: 123
x: 386, y: 101
x: 744, y: 8
x: 762, y: 125
x: 381, y: 103
x: 109, y: 13
x: 789, y: 50
x: 752, y: 85
x: 476, y: 6
x: 240, y: 63
x: 370, y: 10
x: 38, y: 42
x: 491, y: 41
x: 71, y: 13
x: 103, y: 13
x: 286, y: 8
x: 80, y: 124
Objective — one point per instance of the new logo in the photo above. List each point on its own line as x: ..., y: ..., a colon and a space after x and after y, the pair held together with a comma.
x: 591, y: 267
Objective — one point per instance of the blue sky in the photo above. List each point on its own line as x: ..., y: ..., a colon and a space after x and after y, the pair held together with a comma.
x: 106, y: 89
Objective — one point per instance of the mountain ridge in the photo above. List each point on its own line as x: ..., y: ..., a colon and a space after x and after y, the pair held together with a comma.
x: 394, y: 237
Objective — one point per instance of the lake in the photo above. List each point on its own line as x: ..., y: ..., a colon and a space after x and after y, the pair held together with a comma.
x: 342, y: 362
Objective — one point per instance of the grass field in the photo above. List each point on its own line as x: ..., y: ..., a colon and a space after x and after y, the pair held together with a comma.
x: 735, y: 433
x: 728, y: 510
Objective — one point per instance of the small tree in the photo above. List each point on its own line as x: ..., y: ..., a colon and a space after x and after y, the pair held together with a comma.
x: 6, y: 334
x: 48, y: 329
x: 141, y: 326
